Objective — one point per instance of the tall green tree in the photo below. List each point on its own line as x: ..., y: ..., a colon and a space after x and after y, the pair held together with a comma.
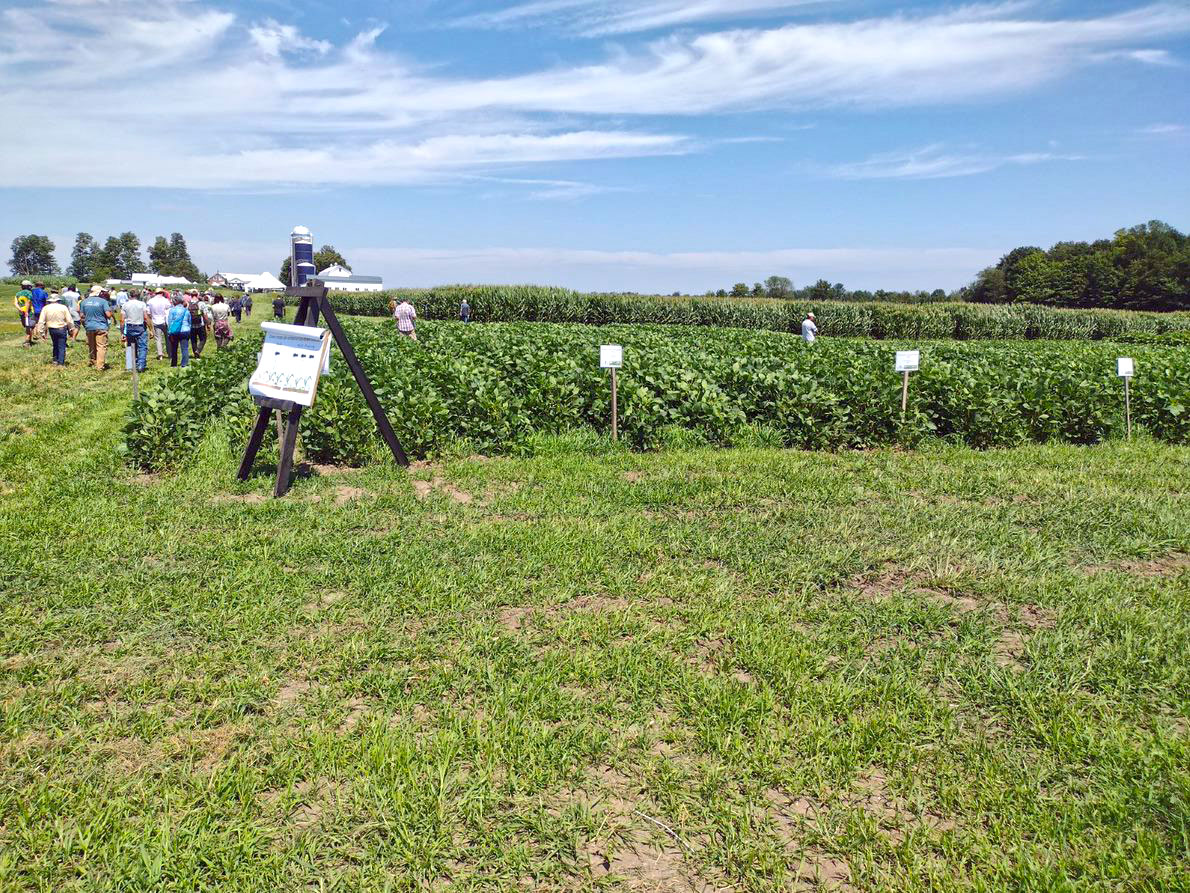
x: 33, y: 255
x: 159, y: 257
x: 779, y: 286
x: 119, y: 257
x: 82, y: 258
x: 739, y: 290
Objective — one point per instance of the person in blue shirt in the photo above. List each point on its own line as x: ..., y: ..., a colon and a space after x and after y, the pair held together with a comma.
x: 177, y: 322
x: 96, y: 316
x: 465, y: 311
x: 40, y: 297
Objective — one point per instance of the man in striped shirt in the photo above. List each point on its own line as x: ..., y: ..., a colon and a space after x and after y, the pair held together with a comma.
x: 404, y: 314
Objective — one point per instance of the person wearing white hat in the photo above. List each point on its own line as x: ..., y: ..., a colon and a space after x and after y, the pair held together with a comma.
x: 56, y: 320
x: 809, y: 329
x: 24, y: 304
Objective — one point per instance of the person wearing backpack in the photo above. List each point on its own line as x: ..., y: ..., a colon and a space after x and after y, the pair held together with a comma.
x: 198, y: 325
x: 177, y: 322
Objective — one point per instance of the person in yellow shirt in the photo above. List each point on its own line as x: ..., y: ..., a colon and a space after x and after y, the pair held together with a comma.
x: 57, y: 321
x: 24, y: 304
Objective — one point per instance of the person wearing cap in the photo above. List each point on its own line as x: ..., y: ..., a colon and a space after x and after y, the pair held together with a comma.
x: 119, y: 298
x: 97, y: 316
x: 135, y: 322
x: 24, y: 304
x: 158, y: 309
x: 56, y: 320
x: 71, y: 298
x: 809, y: 329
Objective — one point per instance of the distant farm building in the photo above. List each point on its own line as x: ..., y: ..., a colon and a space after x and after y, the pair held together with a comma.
x: 339, y: 278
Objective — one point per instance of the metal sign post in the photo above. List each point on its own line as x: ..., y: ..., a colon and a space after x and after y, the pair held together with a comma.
x: 1125, y: 369
x: 313, y: 301
x: 906, y: 361
x: 611, y: 356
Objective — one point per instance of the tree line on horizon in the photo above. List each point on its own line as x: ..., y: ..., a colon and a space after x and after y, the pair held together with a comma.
x: 1144, y: 267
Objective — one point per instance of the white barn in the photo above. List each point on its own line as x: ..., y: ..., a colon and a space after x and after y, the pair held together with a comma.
x: 339, y: 278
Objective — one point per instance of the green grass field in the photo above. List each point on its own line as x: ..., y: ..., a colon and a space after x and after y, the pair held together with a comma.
x: 589, y: 669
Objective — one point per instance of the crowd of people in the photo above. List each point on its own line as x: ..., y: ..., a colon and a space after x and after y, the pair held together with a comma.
x: 180, y: 322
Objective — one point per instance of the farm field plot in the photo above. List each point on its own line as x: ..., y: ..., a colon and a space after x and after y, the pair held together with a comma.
x: 688, y: 670
x: 500, y: 387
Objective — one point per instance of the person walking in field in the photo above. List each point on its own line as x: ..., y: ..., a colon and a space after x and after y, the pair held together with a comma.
x: 23, y: 301
x: 405, y: 315
x: 809, y: 329
x: 135, y: 323
x: 198, y: 325
x: 248, y: 306
x: 96, y: 315
x: 56, y: 321
x: 177, y: 322
x: 465, y: 311
x: 279, y: 308
x: 40, y: 297
x: 159, y: 306
x: 220, y: 324
x: 71, y: 298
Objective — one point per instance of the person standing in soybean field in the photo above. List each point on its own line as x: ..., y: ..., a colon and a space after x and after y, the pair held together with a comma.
x: 405, y: 315
x: 809, y: 329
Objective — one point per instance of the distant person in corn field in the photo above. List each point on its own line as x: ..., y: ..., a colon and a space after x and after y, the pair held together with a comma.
x: 809, y: 329
x: 465, y: 311
x: 405, y: 315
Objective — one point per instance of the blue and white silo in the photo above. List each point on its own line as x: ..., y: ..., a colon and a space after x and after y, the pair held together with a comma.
x: 301, y: 256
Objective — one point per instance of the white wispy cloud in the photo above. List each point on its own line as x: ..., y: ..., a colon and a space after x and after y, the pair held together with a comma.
x: 603, y: 17
x: 299, y: 109
x: 935, y: 161
x: 1162, y: 129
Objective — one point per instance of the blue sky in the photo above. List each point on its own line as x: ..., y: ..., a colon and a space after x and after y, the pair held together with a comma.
x: 651, y: 145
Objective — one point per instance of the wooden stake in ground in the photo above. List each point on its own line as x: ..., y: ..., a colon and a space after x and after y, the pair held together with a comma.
x: 1125, y: 369
x: 611, y: 356
x: 906, y: 361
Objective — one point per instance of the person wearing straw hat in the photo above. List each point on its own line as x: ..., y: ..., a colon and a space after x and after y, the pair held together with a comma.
x: 56, y: 320
x: 24, y: 304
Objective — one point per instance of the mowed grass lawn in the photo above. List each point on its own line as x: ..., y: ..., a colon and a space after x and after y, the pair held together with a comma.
x: 704, y: 670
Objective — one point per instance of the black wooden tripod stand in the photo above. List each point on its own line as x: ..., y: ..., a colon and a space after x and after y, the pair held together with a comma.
x: 313, y: 301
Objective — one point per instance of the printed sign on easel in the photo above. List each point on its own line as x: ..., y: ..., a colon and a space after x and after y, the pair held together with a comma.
x: 291, y: 360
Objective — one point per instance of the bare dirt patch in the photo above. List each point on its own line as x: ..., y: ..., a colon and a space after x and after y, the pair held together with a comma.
x: 513, y: 617
x: 424, y: 488
x: 291, y: 692
x: 640, y: 849
x: 814, y: 869
x: 633, y: 476
x: 1150, y: 568
x: 356, y: 709
x: 344, y: 494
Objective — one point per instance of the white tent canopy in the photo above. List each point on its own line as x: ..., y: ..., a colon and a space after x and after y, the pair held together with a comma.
x: 254, y: 281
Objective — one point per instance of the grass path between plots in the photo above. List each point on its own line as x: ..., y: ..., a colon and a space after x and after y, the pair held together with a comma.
x: 689, y: 670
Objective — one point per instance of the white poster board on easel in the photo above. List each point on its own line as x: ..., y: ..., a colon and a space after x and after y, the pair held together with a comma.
x: 291, y: 360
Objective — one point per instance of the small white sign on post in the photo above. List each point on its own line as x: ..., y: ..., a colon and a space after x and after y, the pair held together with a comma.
x: 908, y: 360
x: 611, y: 356
x: 1125, y: 370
